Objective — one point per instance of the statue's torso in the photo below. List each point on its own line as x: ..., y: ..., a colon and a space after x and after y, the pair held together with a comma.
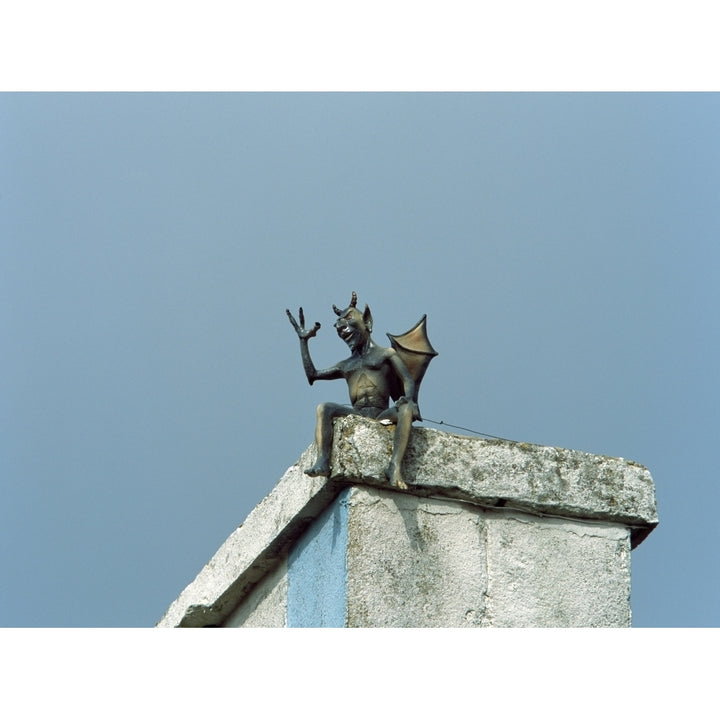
x: 368, y: 378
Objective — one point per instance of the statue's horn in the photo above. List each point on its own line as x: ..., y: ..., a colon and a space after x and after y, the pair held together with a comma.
x: 353, y: 301
x: 336, y: 310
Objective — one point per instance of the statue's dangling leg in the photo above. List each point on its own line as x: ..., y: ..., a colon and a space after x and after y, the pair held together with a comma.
x: 324, y: 437
x: 402, y: 435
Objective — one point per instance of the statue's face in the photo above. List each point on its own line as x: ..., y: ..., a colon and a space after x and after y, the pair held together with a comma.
x: 351, y: 328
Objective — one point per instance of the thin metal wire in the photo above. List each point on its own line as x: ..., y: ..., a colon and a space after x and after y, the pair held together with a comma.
x: 460, y: 427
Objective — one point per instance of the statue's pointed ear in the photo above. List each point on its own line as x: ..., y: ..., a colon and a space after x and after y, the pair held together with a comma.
x: 367, y: 319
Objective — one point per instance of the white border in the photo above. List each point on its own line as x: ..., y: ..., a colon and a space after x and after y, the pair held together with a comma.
x: 356, y: 673
x: 334, y: 45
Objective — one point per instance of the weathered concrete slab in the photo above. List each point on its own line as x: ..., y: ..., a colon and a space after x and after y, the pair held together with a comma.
x: 265, y: 606
x: 414, y: 562
x: 491, y: 473
x: 614, y: 498
x: 546, y: 572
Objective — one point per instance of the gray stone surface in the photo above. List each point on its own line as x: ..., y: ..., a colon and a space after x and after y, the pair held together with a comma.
x: 420, y: 562
x: 544, y: 572
x: 508, y: 534
x: 544, y: 480
x: 266, y: 604
x: 414, y: 562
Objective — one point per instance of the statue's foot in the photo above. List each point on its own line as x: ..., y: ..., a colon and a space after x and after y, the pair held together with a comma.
x: 319, y: 469
x: 395, y: 477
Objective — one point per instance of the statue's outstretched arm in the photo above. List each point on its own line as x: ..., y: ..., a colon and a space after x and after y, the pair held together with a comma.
x: 310, y: 370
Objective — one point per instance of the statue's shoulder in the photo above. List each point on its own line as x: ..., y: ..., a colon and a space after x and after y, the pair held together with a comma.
x: 382, y: 354
x: 386, y: 352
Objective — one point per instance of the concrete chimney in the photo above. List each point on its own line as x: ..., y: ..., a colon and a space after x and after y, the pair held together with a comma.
x: 490, y: 533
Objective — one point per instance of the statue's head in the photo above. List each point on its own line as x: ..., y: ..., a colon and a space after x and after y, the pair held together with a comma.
x: 353, y: 326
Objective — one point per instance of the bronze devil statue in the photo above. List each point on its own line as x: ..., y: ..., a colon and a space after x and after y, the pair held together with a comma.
x: 374, y: 375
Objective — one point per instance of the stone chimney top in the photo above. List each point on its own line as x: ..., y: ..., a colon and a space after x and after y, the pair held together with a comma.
x: 489, y: 533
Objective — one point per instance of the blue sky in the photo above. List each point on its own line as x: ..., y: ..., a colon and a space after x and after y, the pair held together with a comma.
x: 563, y: 246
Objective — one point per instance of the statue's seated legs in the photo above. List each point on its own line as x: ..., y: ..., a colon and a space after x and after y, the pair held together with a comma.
x: 402, y: 416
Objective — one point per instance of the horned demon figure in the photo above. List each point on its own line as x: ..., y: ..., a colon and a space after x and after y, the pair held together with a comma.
x: 374, y: 374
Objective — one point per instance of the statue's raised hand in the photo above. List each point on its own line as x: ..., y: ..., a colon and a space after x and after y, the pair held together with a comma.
x: 303, y: 334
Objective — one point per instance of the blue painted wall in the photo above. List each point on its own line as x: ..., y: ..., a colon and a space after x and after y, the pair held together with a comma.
x: 317, y: 571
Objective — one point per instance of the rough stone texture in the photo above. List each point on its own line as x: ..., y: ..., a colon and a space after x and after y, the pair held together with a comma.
x: 544, y: 572
x: 266, y: 604
x: 506, y: 534
x: 543, y: 480
x: 414, y: 562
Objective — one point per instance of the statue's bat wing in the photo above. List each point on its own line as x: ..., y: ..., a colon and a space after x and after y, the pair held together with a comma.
x: 416, y: 352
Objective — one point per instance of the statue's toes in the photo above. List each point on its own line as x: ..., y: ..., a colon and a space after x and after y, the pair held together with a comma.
x: 395, y: 478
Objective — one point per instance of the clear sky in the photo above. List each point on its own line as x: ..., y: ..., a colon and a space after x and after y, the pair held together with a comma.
x: 564, y: 247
